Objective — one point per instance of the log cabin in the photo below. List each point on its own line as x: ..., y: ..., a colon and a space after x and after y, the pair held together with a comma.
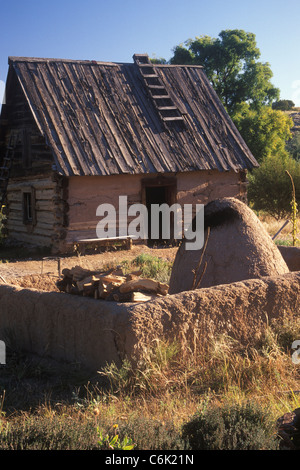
x: 77, y: 134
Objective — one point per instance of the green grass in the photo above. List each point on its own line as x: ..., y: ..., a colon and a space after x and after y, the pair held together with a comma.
x: 150, y: 266
x: 283, y: 242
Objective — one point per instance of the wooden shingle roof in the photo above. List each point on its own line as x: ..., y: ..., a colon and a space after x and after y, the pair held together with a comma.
x: 99, y: 118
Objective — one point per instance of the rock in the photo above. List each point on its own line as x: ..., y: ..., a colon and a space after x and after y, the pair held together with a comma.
x: 289, y: 430
x: 238, y: 248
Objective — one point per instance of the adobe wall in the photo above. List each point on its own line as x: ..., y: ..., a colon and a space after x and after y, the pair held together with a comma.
x: 291, y: 255
x: 241, y: 310
x: 61, y: 326
x: 86, y: 193
x: 95, y: 332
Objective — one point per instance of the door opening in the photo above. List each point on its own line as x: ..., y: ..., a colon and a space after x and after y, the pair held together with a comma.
x: 160, y: 194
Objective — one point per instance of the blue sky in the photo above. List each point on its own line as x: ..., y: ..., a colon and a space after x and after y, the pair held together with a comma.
x: 113, y: 30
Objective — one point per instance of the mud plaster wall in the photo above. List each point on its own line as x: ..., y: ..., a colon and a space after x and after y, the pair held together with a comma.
x: 241, y: 310
x: 86, y: 193
x: 61, y: 326
x: 94, y: 332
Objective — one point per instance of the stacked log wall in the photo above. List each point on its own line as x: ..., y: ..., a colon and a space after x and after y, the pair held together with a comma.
x: 32, y: 171
x: 49, y: 207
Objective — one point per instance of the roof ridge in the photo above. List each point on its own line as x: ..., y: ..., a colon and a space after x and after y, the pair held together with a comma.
x: 12, y: 59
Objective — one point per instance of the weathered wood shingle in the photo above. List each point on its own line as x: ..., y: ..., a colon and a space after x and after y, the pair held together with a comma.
x: 98, y: 119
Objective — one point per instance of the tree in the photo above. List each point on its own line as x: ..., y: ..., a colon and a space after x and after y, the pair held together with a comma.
x: 231, y: 64
x: 266, y: 131
x: 158, y: 60
x: 283, y: 105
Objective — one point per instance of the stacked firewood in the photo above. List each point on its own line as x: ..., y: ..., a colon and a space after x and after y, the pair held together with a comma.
x: 111, y: 285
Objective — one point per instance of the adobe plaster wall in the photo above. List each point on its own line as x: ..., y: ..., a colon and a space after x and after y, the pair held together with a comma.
x: 94, y: 332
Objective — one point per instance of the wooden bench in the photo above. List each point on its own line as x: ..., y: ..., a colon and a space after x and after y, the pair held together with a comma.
x: 84, y: 242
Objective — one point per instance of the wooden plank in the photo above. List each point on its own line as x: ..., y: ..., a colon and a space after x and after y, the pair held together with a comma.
x: 172, y: 118
x: 61, y: 121
x: 140, y: 297
x: 56, y: 127
x: 158, y: 152
x: 34, y: 97
x: 144, y: 284
x: 114, y: 137
x: 89, y: 125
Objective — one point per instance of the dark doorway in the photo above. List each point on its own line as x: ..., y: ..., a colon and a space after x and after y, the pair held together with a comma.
x: 160, y: 194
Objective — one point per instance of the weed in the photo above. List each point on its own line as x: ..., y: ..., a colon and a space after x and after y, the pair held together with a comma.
x: 294, y: 210
x: 107, y: 441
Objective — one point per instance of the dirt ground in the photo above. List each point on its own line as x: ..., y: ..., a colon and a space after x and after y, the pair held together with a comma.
x: 42, y: 273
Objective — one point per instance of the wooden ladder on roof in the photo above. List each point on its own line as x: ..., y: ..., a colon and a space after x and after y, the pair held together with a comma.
x: 167, y: 110
x: 6, y: 166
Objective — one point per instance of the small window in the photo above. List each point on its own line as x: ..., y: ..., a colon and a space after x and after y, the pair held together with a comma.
x: 28, y: 207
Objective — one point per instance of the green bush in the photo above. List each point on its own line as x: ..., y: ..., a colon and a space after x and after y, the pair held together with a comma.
x: 270, y: 188
x: 151, y: 434
x: 232, y: 427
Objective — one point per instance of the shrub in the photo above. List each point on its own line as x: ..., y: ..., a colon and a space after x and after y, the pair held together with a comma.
x: 270, y: 187
x: 232, y: 427
x: 42, y: 433
x: 67, y: 433
x: 151, y: 434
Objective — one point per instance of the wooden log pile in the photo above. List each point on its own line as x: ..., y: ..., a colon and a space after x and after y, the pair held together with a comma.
x: 110, y: 285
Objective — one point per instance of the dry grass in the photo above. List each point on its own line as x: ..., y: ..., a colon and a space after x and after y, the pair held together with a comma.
x: 169, y: 385
x: 58, y: 406
x: 272, y: 226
